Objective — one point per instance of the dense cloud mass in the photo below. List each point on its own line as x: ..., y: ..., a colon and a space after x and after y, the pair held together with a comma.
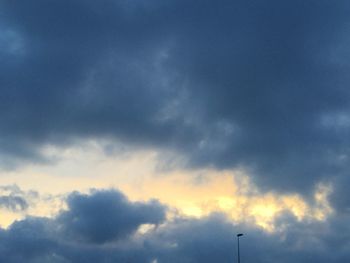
x: 209, y: 239
x: 255, y: 85
x: 106, y: 216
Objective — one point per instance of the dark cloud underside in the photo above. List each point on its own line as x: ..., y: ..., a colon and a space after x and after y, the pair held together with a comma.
x: 209, y: 239
x: 258, y: 85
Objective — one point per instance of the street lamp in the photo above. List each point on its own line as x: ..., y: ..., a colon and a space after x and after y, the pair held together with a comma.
x: 239, y: 258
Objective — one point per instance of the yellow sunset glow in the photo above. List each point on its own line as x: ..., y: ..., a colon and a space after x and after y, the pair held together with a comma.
x: 190, y: 193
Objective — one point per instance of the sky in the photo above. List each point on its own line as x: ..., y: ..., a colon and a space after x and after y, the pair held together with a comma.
x: 155, y: 131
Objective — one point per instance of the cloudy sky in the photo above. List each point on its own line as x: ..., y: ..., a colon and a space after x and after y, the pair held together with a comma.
x: 136, y: 131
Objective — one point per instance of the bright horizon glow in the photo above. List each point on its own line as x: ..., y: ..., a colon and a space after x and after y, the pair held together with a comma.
x: 194, y: 193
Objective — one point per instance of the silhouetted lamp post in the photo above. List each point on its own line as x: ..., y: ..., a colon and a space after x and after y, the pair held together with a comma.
x: 238, y: 255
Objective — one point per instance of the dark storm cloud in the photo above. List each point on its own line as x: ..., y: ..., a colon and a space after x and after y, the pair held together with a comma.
x: 80, y: 233
x: 257, y: 85
x: 188, y: 240
x: 107, y: 216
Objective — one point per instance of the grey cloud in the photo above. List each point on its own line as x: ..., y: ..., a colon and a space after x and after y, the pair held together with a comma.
x: 14, y: 203
x: 107, y: 216
x: 243, y: 84
x: 15, y: 199
x: 27, y: 240
x: 188, y: 240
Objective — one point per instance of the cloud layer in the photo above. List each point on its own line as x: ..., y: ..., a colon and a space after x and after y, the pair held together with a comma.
x: 260, y: 86
x: 180, y: 239
x: 257, y: 86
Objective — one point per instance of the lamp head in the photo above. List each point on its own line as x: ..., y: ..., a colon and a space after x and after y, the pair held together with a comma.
x: 239, y: 235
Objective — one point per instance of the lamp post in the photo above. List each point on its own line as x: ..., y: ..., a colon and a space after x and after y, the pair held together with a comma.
x: 238, y: 255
